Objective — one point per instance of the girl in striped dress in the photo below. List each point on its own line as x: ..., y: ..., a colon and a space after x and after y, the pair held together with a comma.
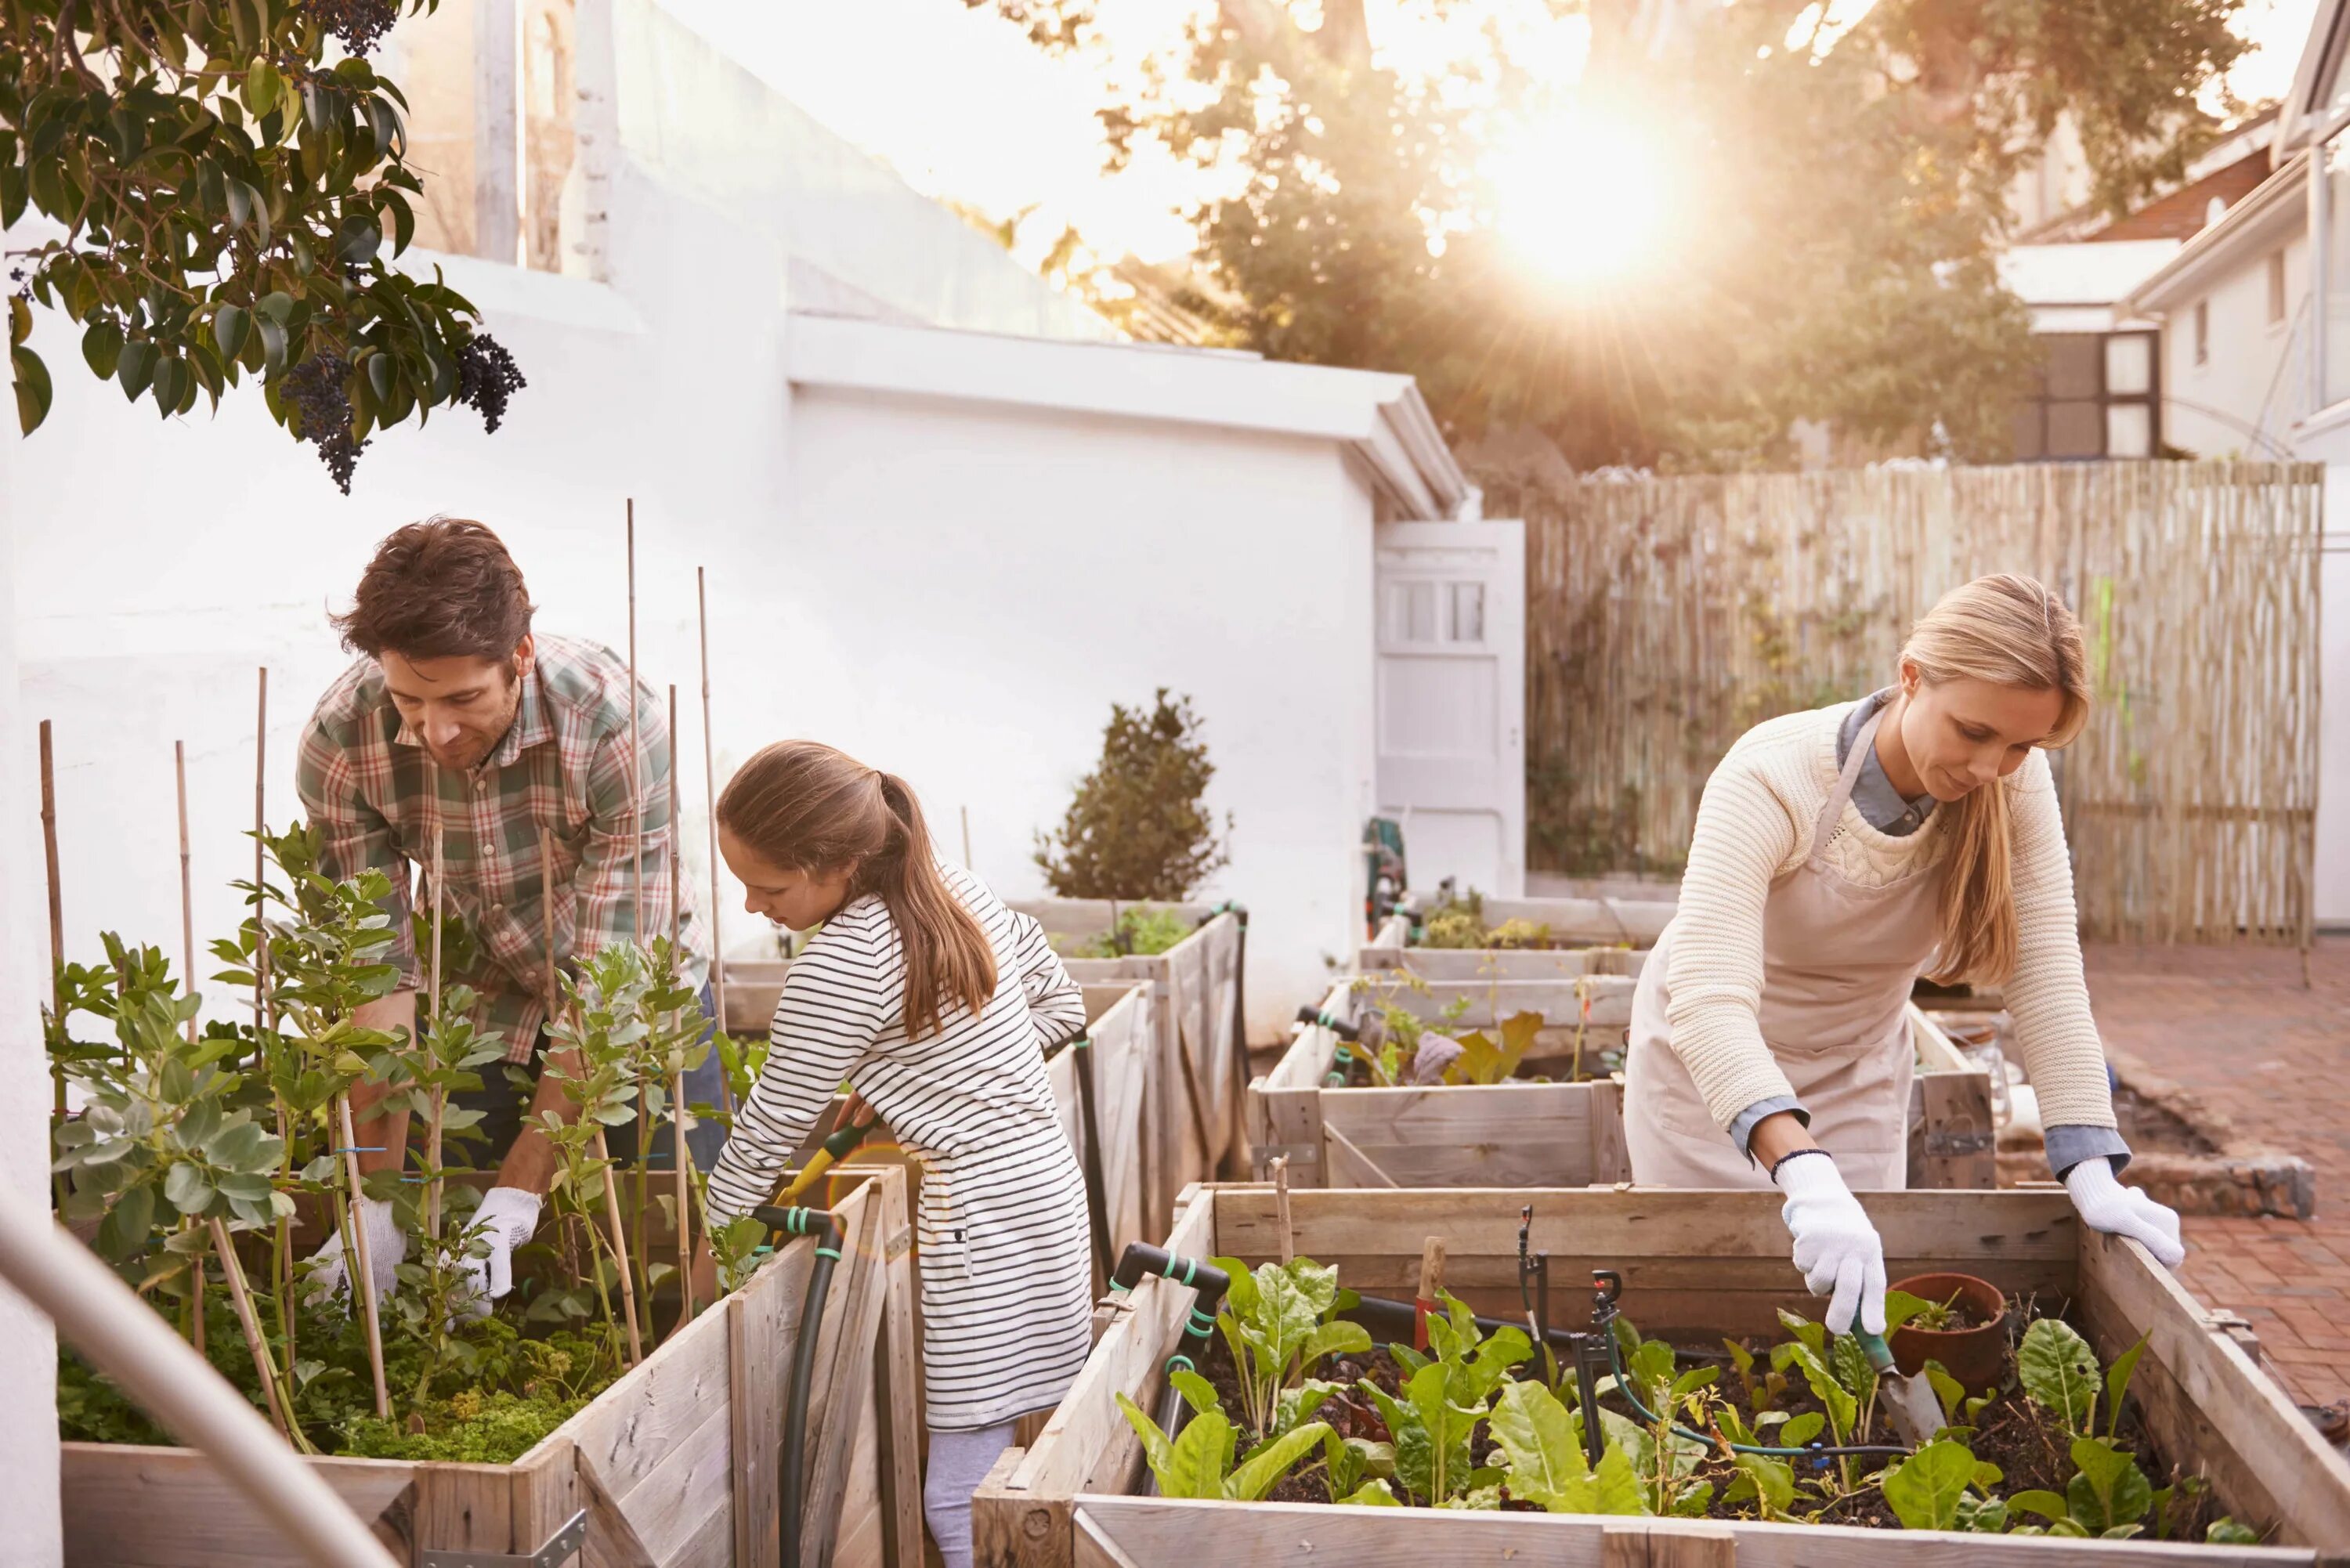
x: 937, y: 1004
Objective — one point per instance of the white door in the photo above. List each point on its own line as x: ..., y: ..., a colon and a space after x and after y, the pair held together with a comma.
x: 1451, y: 692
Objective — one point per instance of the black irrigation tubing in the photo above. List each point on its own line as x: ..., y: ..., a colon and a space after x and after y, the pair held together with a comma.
x: 1815, y: 1451
x: 824, y: 1226
x: 1097, y: 1188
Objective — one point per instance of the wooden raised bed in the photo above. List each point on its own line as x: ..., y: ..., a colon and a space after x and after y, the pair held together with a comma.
x: 1599, y: 923
x: 674, y: 1466
x: 1544, y: 1134
x: 1695, y: 1263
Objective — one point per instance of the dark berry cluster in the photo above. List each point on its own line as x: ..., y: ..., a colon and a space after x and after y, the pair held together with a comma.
x: 487, y: 378
x: 357, y: 22
x: 322, y: 413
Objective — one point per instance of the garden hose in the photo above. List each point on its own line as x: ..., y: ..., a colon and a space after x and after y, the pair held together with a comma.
x: 1141, y: 1261
x: 1606, y: 1286
x: 1096, y: 1189
x: 829, y: 1153
x: 1349, y: 1035
x: 824, y: 1226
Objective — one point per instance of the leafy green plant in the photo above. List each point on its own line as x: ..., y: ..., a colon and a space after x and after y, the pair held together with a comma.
x: 1486, y: 1060
x: 1931, y: 1489
x: 1542, y: 1447
x: 1138, y: 827
x: 1135, y: 932
x: 1278, y: 1322
x: 1197, y: 1462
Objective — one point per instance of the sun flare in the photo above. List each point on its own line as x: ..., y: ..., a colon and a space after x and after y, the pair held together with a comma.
x: 1581, y: 196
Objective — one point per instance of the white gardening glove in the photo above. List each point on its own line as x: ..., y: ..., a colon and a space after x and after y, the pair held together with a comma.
x: 387, y: 1249
x: 508, y: 1217
x: 2104, y: 1204
x: 1836, y: 1246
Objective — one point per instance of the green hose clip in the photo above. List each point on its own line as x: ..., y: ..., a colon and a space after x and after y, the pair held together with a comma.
x: 1201, y: 1323
x: 827, y: 1252
x: 1190, y: 1268
x: 1179, y: 1364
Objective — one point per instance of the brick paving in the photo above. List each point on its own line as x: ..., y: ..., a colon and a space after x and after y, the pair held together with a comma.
x: 2239, y: 1026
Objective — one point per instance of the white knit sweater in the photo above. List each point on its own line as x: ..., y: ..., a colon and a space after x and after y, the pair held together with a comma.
x: 1755, y: 825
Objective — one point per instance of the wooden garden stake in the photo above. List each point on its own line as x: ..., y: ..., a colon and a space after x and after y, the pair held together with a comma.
x: 260, y: 826
x: 57, y: 909
x: 1431, y: 1286
x: 360, y: 1269
x: 637, y: 855
x: 1281, y: 1208
x: 676, y: 1079
x: 187, y: 888
x: 710, y: 810
x: 250, y: 1323
x: 433, y: 1017
x: 966, y: 837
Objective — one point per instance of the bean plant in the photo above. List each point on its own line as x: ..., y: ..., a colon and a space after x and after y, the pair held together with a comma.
x: 203, y: 1157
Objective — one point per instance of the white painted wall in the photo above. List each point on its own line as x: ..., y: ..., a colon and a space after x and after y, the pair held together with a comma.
x: 2242, y: 401
x: 960, y: 591
x: 29, y: 1419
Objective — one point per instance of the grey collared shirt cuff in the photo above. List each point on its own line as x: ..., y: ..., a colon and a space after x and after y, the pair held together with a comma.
x: 1742, y: 1126
x: 2069, y: 1145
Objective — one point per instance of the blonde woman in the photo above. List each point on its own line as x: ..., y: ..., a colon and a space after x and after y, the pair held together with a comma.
x: 1839, y: 855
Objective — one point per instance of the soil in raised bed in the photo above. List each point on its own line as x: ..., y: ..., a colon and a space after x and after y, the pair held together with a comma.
x: 2031, y: 1451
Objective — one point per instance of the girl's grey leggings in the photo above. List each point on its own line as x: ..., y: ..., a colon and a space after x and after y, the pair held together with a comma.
x: 958, y: 1462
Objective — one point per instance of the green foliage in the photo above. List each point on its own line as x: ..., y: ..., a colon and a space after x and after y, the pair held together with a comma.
x: 227, y: 196
x: 1137, y: 827
x: 1543, y: 1450
x: 1925, y: 1489
x: 1486, y: 1061
x: 1277, y: 1320
x: 2060, y: 1373
x: 1140, y: 932
x: 1835, y: 203
x: 1198, y: 1461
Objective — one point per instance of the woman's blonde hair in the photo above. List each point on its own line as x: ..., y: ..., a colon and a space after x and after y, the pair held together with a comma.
x: 2008, y: 630
x: 804, y: 805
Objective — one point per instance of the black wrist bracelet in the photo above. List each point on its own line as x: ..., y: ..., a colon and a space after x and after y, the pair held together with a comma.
x: 1794, y: 1154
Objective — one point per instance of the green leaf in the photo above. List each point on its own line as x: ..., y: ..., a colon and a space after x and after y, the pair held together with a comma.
x: 1268, y: 1461
x: 1328, y: 1339
x: 1545, y: 1462
x: 1372, y: 1493
x: 2226, y: 1532
x: 2117, y: 1382
x: 1924, y: 1489
x: 1196, y: 1391
x: 1801, y: 1429
x: 231, y: 322
x: 124, y: 1231
x: 1842, y: 1408
x: 185, y: 1186
x: 1987, y: 1516
x: 2107, y: 1490
x: 1948, y: 1390
x: 1774, y: 1482
x: 101, y: 348
x: 136, y: 367
x: 33, y: 392
x: 1156, y: 1449
x: 262, y: 87
x: 1900, y: 1306
x: 2059, y: 1371
x: 1851, y: 1366
x: 20, y: 319
x: 1200, y: 1457
x: 2046, y: 1504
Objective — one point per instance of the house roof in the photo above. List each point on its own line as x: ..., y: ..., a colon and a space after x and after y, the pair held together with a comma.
x: 2088, y: 272
x: 1379, y: 418
x: 2275, y: 211
x: 2301, y: 114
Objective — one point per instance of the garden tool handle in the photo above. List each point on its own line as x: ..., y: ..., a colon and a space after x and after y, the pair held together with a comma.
x: 1873, y: 1346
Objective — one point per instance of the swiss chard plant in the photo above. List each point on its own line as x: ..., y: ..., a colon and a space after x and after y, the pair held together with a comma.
x: 1280, y: 1324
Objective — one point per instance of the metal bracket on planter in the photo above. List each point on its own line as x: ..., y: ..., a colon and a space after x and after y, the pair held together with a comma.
x: 1297, y: 1153
x: 1948, y: 1142
x: 561, y: 1547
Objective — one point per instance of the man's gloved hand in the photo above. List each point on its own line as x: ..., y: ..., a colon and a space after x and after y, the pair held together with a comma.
x: 507, y: 1218
x: 1836, y: 1246
x: 387, y: 1249
x: 2104, y: 1204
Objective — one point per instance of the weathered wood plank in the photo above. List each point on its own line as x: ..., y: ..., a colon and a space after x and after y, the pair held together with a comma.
x: 844, y: 1394
x: 114, y: 1496
x: 896, y: 1380
x: 2215, y: 1408
x: 1560, y: 1001
x: 1502, y: 963
x: 1159, y: 1533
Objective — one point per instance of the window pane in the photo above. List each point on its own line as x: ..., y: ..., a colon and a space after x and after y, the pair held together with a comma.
x: 2129, y: 430
x: 2027, y: 433
x: 2073, y: 365
x: 2129, y: 364
x: 1419, y: 620
x: 2076, y: 430
x: 1467, y: 612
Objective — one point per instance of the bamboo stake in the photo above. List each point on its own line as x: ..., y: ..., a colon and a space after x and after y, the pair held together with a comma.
x: 187, y: 887
x: 966, y: 838
x: 636, y: 886
x: 676, y: 1079
x: 364, y: 1273
x: 56, y: 911
x: 251, y: 1322
x: 1281, y: 1208
x: 710, y: 810
x: 260, y: 828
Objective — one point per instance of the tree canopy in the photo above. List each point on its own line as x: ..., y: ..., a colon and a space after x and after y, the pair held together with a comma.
x: 227, y: 196
x: 1835, y: 201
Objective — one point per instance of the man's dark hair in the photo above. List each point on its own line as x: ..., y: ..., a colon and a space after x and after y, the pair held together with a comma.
x: 442, y: 588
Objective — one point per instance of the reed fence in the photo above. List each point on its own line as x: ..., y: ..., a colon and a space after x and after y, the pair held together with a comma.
x: 1665, y: 616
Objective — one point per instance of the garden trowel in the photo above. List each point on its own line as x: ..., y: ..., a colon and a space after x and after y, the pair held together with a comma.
x: 1916, y: 1408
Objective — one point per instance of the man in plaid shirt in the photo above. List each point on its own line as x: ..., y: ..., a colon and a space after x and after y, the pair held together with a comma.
x: 460, y: 724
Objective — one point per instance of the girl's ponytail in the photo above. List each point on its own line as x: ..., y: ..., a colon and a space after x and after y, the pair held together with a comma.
x: 948, y: 957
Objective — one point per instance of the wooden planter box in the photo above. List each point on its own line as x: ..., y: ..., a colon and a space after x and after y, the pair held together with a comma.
x: 1544, y: 1135
x: 1700, y: 1264
x: 674, y: 1465
x: 1122, y: 1038
x: 1600, y: 922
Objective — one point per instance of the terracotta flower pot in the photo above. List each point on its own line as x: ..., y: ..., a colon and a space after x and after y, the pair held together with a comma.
x: 1976, y: 1356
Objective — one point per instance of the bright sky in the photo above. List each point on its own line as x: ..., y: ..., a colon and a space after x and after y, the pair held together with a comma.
x: 959, y: 103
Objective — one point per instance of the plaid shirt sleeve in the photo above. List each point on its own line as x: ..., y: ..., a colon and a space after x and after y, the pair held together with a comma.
x: 353, y: 835
x: 606, y: 881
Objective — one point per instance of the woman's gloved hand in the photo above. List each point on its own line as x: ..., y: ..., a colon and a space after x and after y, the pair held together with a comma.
x: 2104, y: 1204
x: 1836, y: 1246
x: 507, y: 1218
x: 387, y: 1249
